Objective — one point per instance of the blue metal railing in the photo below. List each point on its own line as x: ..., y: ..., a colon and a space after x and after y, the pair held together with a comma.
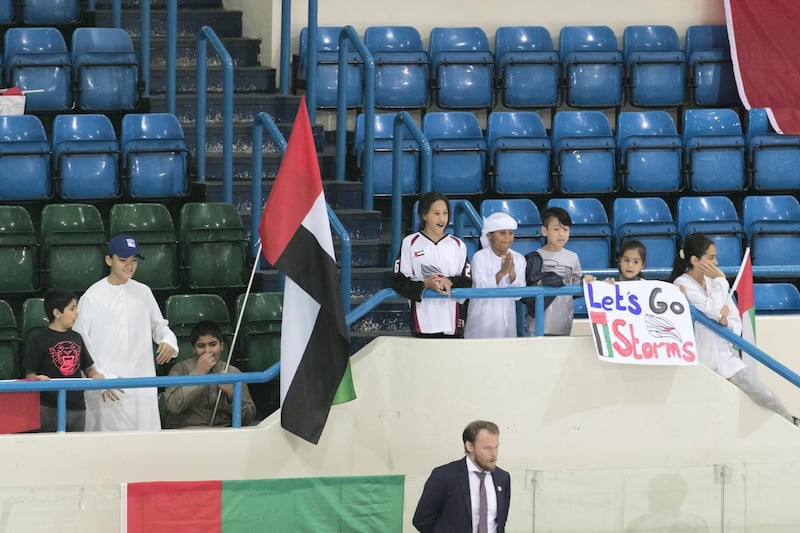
x: 286, y: 45
x: 204, y: 35
x: 349, y: 36
x: 401, y: 119
x: 311, y: 75
x: 261, y: 122
x: 172, y: 51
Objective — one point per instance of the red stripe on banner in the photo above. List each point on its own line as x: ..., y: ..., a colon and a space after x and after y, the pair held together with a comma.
x: 177, y: 507
x: 296, y: 188
x: 745, y: 299
x: 597, y: 318
x: 19, y: 412
x: 763, y: 37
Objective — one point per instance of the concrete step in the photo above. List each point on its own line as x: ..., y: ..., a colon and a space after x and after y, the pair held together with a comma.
x: 225, y: 22
x: 282, y: 108
x: 244, y: 51
x: 243, y: 137
x: 245, y: 80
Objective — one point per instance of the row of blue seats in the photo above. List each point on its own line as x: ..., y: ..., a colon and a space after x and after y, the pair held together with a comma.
x: 99, y: 72
x: 85, y: 161
x: 204, y: 249
x: 525, y: 70
x: 770, y: 225
x: 770, y: 298
x: 583, y: 155
x: 40, y: 12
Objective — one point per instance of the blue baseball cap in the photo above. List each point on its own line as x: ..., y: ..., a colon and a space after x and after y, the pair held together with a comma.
x: 124, y: 246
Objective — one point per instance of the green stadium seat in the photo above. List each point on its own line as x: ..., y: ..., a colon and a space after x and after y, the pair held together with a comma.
x: 9, y: 343
x: 19, y: 251
x: 33, y: 318
x: 74, y: 242
x: 260, y: 330
x: 151, y: 226
x: 183, y: 311
x: 213, y: 246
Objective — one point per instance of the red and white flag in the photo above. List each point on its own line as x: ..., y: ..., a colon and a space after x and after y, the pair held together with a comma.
x: 296, y: 239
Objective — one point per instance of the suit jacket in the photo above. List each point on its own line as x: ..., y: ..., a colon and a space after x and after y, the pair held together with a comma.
x: 445, y: 505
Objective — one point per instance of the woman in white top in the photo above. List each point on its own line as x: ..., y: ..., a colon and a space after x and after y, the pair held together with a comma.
x: 695, y: 271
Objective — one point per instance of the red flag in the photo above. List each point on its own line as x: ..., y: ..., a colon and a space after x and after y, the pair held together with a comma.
x: 19, y: 412
x: 296, y: 238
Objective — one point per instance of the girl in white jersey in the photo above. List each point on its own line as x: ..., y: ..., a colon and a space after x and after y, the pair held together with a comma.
x: 435, y: 260
x: 695, y: 271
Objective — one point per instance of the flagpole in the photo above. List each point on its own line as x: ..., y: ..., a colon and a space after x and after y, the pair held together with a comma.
x: 238, y: 325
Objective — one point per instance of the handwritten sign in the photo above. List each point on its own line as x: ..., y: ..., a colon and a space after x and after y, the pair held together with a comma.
x: 641, y: 323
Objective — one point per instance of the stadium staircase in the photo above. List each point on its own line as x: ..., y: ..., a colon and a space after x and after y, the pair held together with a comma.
x: 255, y: 92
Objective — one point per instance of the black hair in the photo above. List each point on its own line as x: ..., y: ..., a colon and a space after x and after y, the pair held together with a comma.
x: 633, y: 244
x: 425, y: 204
x: 203, y: 328
x: 57, y: 299
x: 559, y: 213
x: 695, y: 245
x: 473, y: 428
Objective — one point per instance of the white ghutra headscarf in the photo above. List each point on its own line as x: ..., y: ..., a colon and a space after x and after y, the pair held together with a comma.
x: 495, y: 222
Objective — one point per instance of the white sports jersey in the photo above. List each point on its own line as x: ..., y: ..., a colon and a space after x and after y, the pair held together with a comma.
x: 421, y: 258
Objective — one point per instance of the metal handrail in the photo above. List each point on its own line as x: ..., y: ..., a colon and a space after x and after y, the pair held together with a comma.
x: 403, y: 118
x: 286, y: 45
x: 204, y: 35
x: 347, y: 36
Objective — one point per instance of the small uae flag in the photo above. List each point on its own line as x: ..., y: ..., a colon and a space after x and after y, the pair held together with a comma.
x: 296, y: 239
x: 746, y: 304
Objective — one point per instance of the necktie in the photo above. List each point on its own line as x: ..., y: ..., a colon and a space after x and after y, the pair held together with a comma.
x: 483, y: 506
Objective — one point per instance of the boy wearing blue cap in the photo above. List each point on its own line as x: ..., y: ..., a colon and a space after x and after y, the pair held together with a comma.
x: 119, y: 320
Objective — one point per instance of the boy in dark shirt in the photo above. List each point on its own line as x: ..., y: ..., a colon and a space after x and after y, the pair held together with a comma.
x: 59, y: 352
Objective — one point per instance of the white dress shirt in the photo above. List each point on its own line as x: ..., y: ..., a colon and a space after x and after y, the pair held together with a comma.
x: 474, y: 496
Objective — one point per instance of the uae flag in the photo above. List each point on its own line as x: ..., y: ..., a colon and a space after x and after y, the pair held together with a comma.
x: 746, y: 304
x: 357, y: 503
x: 296, y: 239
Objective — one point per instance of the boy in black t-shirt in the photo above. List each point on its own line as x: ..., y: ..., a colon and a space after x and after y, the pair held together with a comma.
x: 59, y: 352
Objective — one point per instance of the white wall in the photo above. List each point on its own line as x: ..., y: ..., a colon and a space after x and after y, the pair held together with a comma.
x: 562, y: 412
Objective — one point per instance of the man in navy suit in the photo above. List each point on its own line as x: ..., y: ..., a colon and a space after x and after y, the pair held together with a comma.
x: 452, y: 500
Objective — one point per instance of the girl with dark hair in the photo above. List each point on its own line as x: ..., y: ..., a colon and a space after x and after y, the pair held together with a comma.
x: 432, y: 259
x: 695, y: 271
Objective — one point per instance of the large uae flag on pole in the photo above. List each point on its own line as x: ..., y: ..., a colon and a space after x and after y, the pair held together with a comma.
x: 296, y: 239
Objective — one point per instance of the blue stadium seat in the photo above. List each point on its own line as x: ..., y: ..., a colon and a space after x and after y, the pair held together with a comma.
x: 382, y: 162
x: 154, y: 156
x: 528, y: 70
x: 519, y: 152
x: 772, y: 226
x: 717, y: 219
x: 773, y: 158
x: 36, y: 59
x: 528, y: 236
x: 401, y: 67
x: 776, y: 298
x: 713, y: 147
x: 7, y: 13
x: 24, y: 159
x: 656, y: 66
x: 584, y: 152
x: 328, y: 68
x: 106, y: 70
x: 85, y: 157
x: 51, y: 12
x: 74, y: 244
x: 462, y: 68
x: 591, y: 65
x: 19, y: 251
x: 590, y: 234
x: 459, y: 151
x: 650, y: 221
x: 650, y: 152
x: 710, y: 68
